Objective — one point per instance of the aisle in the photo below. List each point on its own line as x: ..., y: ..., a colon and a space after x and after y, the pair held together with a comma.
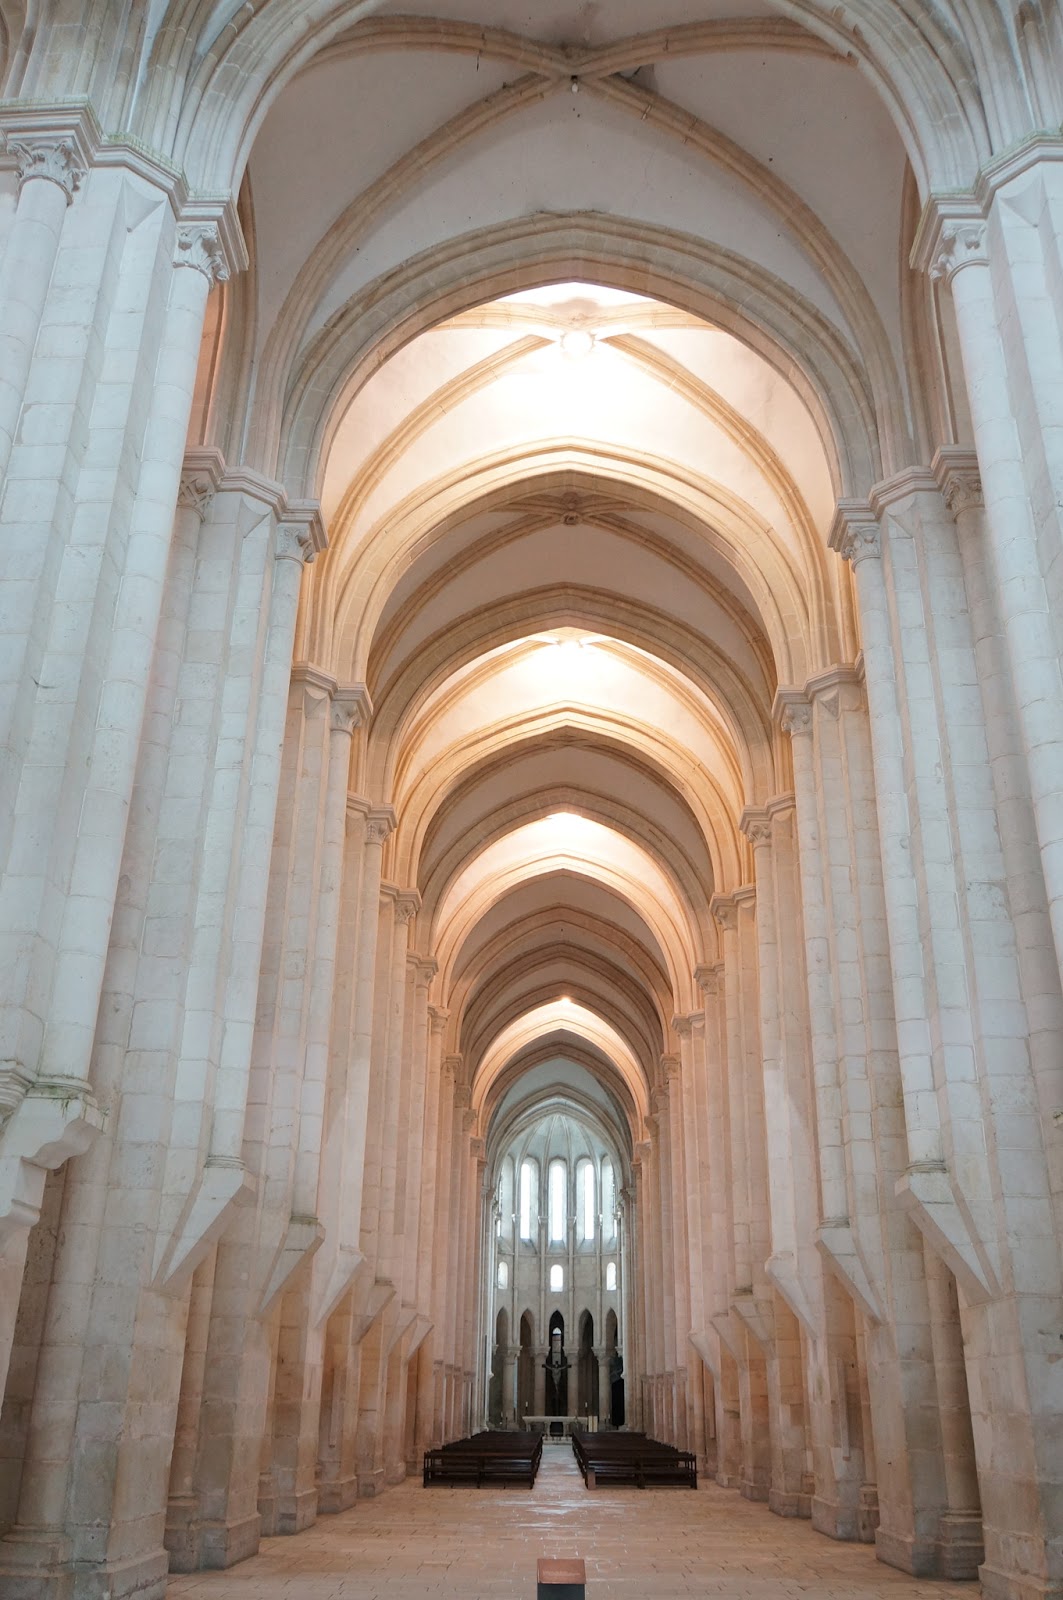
x: 476, y: 1544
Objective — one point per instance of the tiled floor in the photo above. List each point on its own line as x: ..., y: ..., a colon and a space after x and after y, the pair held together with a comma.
x: 475, y: 1544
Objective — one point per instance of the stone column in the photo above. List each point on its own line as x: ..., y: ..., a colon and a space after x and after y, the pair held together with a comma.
x: 74, y: 1484
x: 51, y: 164
x: 1007, y: 387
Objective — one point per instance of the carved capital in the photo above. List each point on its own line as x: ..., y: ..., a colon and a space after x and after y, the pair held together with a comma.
x: 724, y: 912
x: 959, y: 479
x: 960, y: 244
x: 462, y: 1096
x: 792, y: 711
x: 407, y: 905
x: 451, y: 1067
x: 351, y: 708
x: 379, y: 824
x: 199, y: 246
x: 683, y: 1026
x: 707, y: 981
x: 438, y: 1017
x: 755, y: 823
x: 670, y: 1065
x: 425, y: 969
x: 196, y: 493
x: 294, y: 542
x: 55, y: 160
x: 856, y: 537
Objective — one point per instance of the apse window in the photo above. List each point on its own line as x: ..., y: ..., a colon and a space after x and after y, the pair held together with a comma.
x: 503, y: 1275
x: 608, y: 1202
x: 610, y: 1275
x: 527, y: 1198
x: 557, y: 1202
x: 557, y: 1279
x: 585, y: 1200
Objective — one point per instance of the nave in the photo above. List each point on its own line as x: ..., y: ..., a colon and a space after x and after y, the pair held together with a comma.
x: 483, y: 1544
x: 531, y: 769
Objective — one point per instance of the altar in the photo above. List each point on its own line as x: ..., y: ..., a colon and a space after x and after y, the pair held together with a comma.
x: 586, y: 1424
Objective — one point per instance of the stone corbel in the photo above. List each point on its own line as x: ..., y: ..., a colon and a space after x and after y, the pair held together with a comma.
x: 781, y: 1270
x: 836, y: 1243
x: 422, y: 1328
x: 369, y: 1305
x: 303, y: 1239
x: 45, y: 1129
x: 223, y: 1186
x: 730, y: 1333
x: 405, y: 1324
x: 701, y: 1343
x: 338, y: 1275
x: 750, y: 1313
x: 926, y: 1191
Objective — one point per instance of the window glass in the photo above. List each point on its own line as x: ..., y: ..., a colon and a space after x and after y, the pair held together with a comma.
x: 610, y: 1275
x: 585, y: 1189
x: 557, y: 1279
x: 557, y: 1202
x: 608, y: 1201
x: 503, y: 1275
x: 527, y: 1199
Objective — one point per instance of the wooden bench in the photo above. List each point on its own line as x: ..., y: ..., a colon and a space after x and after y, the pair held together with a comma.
x: 633, y: 1459
x: 485, y: 1458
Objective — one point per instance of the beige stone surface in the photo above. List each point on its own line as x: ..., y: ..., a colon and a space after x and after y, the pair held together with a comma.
x: 476, y: 1544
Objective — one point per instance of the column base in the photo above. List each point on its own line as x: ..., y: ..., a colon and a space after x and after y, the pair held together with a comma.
x: 837, y: 1521
x: 753, y: 1491
x: 919, y: 1557
x: 371, y: 1483
x: 870, y: 1517
x: 336, y: 1494
x: 223, y: 1544
x: 997, y: 1585
x: 288, y: 1513
x: 728, y: 1480
x: 789, y: 1503
x: 396, y: 1473
x: 962, y: 1550
x: 37, y: 1565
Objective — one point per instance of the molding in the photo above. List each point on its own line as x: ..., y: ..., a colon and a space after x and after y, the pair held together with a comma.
x: 55, y: 141
x: 707, y: 979
x: 313, y: 677
x: 838, y: 677
x: 911, y: 480
x: 245, y: 480
x: 1045, y: 145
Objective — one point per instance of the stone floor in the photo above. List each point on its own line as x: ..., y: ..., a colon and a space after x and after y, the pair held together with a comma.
x: 474, y: 1544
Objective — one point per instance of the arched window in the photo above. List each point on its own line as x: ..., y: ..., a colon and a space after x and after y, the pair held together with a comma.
x: 529, y: 1183
x: 503, y: 1275
x: 585, y: 1201
x: 610, y: 1275
x: 608, y: 1202
x: 505, y: 1199
x: 557, y: 1202
x: 557, y: 1279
